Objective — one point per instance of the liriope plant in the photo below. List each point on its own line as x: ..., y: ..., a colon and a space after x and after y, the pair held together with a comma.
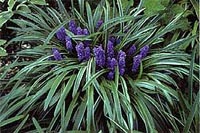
x: 93, y: 70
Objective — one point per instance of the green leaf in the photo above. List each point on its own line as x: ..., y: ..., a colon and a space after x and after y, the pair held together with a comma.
x: 145, y: 114
x: 21, y: 124
x: 64, y: 94
x: 192, y: 113
x: 70, y: 109
x: 5, y: 16
x: 11, y: 120
x: 152, y: 7
x: 191, y: 72
x: 80, y: 114
x: 62, y: 8
x: 79, y: 78
x: 90, y: 110
x: 11, y: 4
x: 81, y: 4
x: 119, y: 4
x: 93, y: 77
x: 90, y: 18
x: 179, y: 43
x: 13, y: 109
x: 165, y: 2
x: 53, y: 89
x: 127, y: 3
x: 38, y: 2
x: 195, y: 4
x: 37, y: 125
x: 23, y: 8
x: 2, y: 42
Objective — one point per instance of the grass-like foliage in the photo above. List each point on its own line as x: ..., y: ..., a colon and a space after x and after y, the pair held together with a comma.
x: 94, y: 70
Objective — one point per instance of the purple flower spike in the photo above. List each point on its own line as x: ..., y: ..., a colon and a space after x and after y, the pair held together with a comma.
x: 80, y: 51
x: 99, y: 23
x: 72, y: 26
x: 121, y: 62
x: 110, y: 75
x: 56, y: 54
x: 131, y: 50
x: 87, y: 53
x: 136, y: 62
x: 60, y: 34
x: 110, y: 49
x: 85, y: 32
x: 79, y: 31
x: 100, y: 56
x: 144, y: 50
x: 69, y: 45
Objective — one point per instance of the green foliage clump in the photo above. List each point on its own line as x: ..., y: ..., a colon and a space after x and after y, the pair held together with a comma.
x: 69, y: 95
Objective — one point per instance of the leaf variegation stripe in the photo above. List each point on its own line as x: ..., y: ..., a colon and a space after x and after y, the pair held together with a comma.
x: 90, y: 18
x: 78, y: 80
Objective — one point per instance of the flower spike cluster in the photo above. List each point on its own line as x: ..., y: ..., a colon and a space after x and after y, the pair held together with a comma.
x: 107, y: 58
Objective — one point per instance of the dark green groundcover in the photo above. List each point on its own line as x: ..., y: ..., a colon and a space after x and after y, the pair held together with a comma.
x: 99, y: 66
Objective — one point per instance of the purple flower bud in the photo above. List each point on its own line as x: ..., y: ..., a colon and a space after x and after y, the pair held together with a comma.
x: 118, y: 41
x: 56, y: 54
x: 69, y: 45
x: 60, y: 34
x: 110, y: 75
x: 110, y: 49
x: 112, y: 39
x: 87, y: 53
x: 131, y: 50
x: 121, y: 58
x: 121, y: 71
x: 85, y: 32
x: 99, y: 23
x: 87, y: 43
x: 72, y: 23
x: 67, y: 38
x: 136, y: 62
x: 121, y: 62
x: 72, y: 26
x: 79, y: 31
x: 144, y: 50
x: 80, y: 51
x: 100, y: 56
